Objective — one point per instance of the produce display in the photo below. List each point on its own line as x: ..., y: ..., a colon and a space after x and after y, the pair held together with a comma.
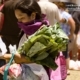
x: 44, y: 45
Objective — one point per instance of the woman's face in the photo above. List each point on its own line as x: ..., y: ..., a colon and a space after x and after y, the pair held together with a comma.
x: 23, y: 17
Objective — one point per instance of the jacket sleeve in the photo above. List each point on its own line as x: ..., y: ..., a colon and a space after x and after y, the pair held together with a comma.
x: 1, y: 20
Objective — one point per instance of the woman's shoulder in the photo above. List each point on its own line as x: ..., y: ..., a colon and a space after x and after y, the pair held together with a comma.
x: 66, y: 13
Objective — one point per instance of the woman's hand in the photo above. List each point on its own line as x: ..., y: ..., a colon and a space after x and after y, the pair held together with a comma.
x: 18, y: 58
x: 21, y: 59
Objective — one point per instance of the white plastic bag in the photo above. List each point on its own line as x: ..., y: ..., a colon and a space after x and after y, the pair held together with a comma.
x: 74, y: 65
x: 22, y: 72
x: 39, y: 70
x: 26, y: 74
x: 2, y: 47
x: 12, y: 49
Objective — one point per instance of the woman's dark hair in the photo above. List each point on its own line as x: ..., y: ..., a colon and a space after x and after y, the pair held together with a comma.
x: 28, y: 7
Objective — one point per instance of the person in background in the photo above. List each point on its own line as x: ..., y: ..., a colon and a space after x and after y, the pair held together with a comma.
x: 68, y: 27
x: 51, y: 11
x: 76, y: 17
x: 53, y: 15
x: 10, y: 31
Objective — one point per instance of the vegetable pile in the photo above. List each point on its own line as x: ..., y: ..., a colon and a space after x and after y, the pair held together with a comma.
x: 44, y: 45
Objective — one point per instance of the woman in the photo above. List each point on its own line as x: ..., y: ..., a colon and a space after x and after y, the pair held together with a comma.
x: 30, y: 19
x: 68, y: 27
x: 9, y: 29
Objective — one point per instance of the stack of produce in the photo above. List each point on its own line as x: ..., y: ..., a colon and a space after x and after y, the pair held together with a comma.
x: 44, y: 45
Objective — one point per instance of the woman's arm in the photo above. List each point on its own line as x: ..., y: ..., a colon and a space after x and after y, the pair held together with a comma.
x: 18, y: 58
x: 71, y: 23
x: 21, y: 59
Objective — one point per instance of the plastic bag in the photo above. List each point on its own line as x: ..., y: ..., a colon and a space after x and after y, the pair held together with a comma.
x: 74, y: 65
x: 15, y: 70
x: 20, y: 72
x: 2, y: 47
x: 23, y: 72
x: 12, y: 49
x: 28, y: 74
x: 61, y: 72
x: 39, y: 70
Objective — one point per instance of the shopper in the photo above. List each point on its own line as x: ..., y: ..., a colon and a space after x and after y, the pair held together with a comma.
x: 68, y: 27
x: 51, y: 10
x: 10, y: 31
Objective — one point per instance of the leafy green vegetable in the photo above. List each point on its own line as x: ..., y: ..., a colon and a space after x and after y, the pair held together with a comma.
x: 42, y: 56
x: 44, y: 45
x: 49, y: 62
x: 35, y: 49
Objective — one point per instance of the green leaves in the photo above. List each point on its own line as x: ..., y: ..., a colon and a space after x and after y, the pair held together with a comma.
x: 43, y: 46
x: 37, y: 47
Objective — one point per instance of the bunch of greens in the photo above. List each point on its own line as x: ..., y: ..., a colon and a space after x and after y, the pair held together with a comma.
x: 44, y: 45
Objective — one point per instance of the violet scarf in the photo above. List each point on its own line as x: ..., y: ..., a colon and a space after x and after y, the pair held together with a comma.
x: 31, y: 27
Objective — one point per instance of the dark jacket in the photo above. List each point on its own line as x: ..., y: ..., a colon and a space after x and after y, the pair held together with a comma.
x: 10, y: 31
